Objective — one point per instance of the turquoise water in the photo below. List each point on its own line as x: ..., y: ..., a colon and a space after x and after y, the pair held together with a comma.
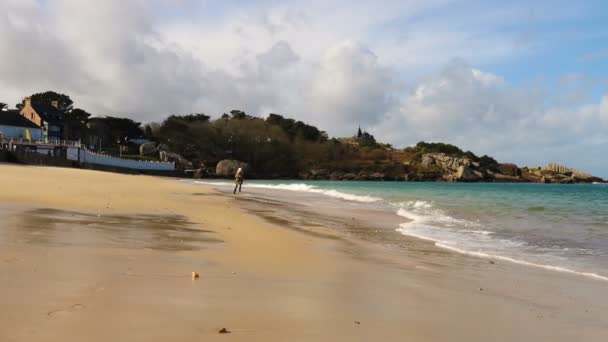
x: 562, y: 227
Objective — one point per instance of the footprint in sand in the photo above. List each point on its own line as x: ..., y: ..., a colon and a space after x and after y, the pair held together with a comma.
x: 66, y: 311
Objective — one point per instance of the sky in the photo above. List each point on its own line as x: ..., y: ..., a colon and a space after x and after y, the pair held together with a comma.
x: 523, y: 81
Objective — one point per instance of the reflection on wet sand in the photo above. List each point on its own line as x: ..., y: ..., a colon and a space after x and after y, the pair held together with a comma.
x: 54, y: 227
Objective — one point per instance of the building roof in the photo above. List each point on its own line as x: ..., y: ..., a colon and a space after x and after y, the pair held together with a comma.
x: 13, y: 118
x: 47, y: 112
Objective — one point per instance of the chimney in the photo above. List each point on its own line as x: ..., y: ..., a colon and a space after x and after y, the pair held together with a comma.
x: 27, y: 101
x: 55, y: 104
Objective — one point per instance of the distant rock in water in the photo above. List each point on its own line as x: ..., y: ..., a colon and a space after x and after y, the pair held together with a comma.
x: 228, y: 167
x: 558, y: 174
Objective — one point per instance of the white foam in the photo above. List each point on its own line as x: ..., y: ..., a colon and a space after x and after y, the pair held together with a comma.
x: 421, y: 226
x: 522, y: 262
x: 299, y: 187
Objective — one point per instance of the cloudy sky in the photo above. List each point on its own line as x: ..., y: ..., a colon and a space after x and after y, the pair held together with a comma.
x: 524, y: 81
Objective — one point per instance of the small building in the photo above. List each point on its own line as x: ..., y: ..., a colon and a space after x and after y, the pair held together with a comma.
x: 14, y: 126
x: 47, y: 117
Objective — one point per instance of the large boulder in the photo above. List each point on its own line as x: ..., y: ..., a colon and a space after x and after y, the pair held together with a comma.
x: 181, y: 163
x: 163, y: 147
x: 147, y: 149
x: 439, y: 166
x: 583, y: 177
x: 228, y: 167
x: 443, y: 162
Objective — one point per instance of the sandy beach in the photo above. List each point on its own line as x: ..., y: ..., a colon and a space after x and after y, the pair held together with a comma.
x: 94, y: 256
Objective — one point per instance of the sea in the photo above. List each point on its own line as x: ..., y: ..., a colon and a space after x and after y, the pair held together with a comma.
x: 563, y: 228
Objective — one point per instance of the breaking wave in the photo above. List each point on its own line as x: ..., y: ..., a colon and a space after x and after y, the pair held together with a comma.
x: 467, y: 237
x: 299, y: 187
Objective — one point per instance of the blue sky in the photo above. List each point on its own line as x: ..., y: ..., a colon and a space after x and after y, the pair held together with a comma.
x: 525, y: 81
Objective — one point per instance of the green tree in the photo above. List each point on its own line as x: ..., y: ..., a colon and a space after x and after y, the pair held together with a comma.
x: 76, y: 124
x: 239, y: 115
x: 64, y: 102
x: 116, y: 130
x: 3, y: 105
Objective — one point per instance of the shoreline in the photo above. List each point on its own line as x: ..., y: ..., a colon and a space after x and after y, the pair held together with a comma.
x: 269, y: 275
x: 278, y: 198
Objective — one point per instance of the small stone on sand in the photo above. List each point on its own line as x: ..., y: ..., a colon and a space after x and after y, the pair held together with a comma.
x: 357, y: 322
x: 224, y: 331
x: 195, y: 275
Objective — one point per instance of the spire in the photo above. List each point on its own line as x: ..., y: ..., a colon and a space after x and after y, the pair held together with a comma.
x: 359, y: 133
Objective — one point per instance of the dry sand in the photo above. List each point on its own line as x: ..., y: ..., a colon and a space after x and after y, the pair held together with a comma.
x: 93, y: 256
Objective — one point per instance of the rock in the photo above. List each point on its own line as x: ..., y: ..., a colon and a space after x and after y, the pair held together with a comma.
x: 505, y: 178
x: 319, y: 173
x: 509, y: 170
x: 163, y: 147
x: 349, y: 176
x: 147, y: 149
x: 362, y: 176
x: 195, y: 275
x: 557, y: 168
x: 337, y: 175
x: 467, y: 174
x: 530, y: 176
x: 582, y: 177
x: 439, y: 166
x: 444, y: 162
x: 377, y: 176
x: 228, y: 167
x: 223, y: 331
x: 181, y: 163
x: 304, y: 175
x: 357, y: 322
x: 200, y: 173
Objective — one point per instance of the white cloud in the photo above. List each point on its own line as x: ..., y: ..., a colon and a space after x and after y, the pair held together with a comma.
x: 481, y: 112
x: 350, y: 88
x: 604, y: 109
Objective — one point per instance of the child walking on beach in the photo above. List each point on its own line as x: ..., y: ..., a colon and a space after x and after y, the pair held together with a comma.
x: 238, y: 177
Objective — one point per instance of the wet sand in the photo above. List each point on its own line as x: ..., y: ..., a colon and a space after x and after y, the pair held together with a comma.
x: 94, y: 256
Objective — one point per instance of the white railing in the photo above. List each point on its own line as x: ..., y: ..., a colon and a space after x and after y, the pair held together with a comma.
x: 23, y: 141
x: 85, y: 156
